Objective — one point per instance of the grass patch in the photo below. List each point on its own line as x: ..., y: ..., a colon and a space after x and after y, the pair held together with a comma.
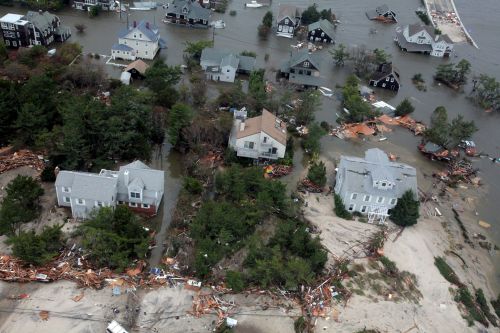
x: 474, y: 312
x: 483, y: 304
x: 446, y: 271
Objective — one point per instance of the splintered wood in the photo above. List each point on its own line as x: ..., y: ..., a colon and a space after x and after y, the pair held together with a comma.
x: 19, y: 159
x: 209, y: 303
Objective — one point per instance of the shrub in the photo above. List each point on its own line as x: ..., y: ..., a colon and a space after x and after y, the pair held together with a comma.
x: 37, y: 249
x: 483, y: 304
x: 300, y: 325
x: 405, y: 213
x: 235, y: 281
x: 193, y: 185
x: 340, y: 210
x: 463, y: 296
x: 94, y: 11
x: 446, y: 271
x: 423, y: 16
x: 48, y: 174
x: 317, y: 173
x: 496, y: 305
x: 404, y: 108
x: 389, y: 265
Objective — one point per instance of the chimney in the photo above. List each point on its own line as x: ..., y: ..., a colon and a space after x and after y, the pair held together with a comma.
x: 242, y: 126
x: 126, y: 177
x: 147, y: 25
x: 135, y: 24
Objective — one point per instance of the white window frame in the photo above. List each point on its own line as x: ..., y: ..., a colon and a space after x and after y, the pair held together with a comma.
x: 66, y: 189
x: 351, y: 207
x: 67, y: 199
x: 306, y: 64
x: 364, y: 209
x: 367, y: 196
x: 380, y: 200
x: 99, y: 204
x: 354, y: 196
x: 146, y: 206
x: 80, y: 202
x: 249, y: 145
x: 132, y: 204
x: 132, y: 195
x: 394, y: 201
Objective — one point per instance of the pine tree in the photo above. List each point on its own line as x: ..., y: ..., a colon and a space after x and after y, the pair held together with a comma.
x: 405, y: 213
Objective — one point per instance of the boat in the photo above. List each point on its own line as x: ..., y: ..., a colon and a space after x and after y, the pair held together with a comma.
x: 218, y: 24
x: 253, y: 4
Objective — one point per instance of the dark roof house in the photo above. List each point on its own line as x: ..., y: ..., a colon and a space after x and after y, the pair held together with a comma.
x: 383, y: 14
x: 287, y: 20
x: 187, y: 12
x: 302, y: 69
x: 321, y: 31
x: 386, y: 77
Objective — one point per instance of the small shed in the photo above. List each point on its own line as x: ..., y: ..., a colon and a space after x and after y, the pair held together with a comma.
x: 125, y: 78
x: 137, y: 69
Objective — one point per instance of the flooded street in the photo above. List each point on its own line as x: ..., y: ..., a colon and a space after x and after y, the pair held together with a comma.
x: 241, y: 34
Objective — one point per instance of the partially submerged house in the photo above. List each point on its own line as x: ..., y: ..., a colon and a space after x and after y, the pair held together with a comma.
x: 372, y: 185
x: 188, y: 13
x: 302, y: 69
x: 135, y: 185
x: 101, y: 4
x: 220, y: 65
x: 386, y: 76
x: 321, y: 31
x: 137, y: 69
x: 419, y: 38
x: 383, y: 14
x: 287, y: 20
x: 434, y: 151
x: 34, y: 28
x: 139, y: 40
x: 258, y: 137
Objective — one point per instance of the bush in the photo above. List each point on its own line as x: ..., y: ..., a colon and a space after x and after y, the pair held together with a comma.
x: 389, y: 265
x: 463, y: 296
x: 311, y: 143
x: 405, y: 213
x: 235, y: 281
x: 496, y: 305
x: 446, y: 271
x: 37, y: 249
x: 193, y: 185
x: 317, y: 173
x: 404, y: 108
x: 300, y: 325
x: 340, y: 210
x: 423, y: 16
x: 94, y: 11
x: 483, y: 304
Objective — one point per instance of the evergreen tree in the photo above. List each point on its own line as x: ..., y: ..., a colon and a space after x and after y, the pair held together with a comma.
x: 404, y: 108
x: 340, y: 55
x: 317, y: 173
x: 406, y: 211
x: 179, y: 117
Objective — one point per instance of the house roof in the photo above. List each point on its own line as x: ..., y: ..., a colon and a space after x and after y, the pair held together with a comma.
x: 13, y: 18
x: 306, y: 80
x: 152, y: 179
x: 357, y: 174
x: 149, y: 30
x: 411, y: 47
x: 384, y: 70
x: 325, y: 25
x: 195, y: 10
x: 246, y: 63
x: 230, y: 60
x: 216, y: 58
x: 138, y: 65
x: 416, y: 28
x: 267, y: 123
x: 303, y: 55
x: 121, y: 47
x: 290, y: 11
x: 41, y: 20
x: 88, y: 186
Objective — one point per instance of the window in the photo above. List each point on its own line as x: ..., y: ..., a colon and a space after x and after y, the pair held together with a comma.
x: 80, y: 202
x: 140, y: 35
x: 145, y: 206
x: 380, y: 199
x: 393, y: 201
x: 354, y: 196
x: 286, y: 21
x: 387, y: 78
x: 322, y: 34
x: 367, y: 198
x: 363, y: 209
x: 280, y: 27
x: 135, y: 36
x: 351, y: 207
x: 66, y: 189
x: 132, y: 204
x: 384, y: 184
x: 67, y: 199
x: 120, y: 202
x: 249, y: 145
x: 228, y: 71
x: 383, y: 85
x: 99, y: 204
x: 14, y: 43
x: 306, y: 64
x: 265, y: 139
x: 146, y: 52
x: 313, y: 32
x: 392, y: 79
x: 136, y: 195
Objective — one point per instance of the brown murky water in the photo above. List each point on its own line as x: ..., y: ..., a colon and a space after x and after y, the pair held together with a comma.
x: 481, y: 18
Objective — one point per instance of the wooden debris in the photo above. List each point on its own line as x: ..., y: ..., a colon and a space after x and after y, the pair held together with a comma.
x: 44, y: 315
x: 78, y: 298
x: 19, y: 159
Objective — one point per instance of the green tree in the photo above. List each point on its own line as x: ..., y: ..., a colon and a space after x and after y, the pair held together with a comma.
x: 114, y: 237
x: 20, y: 205
x: 9, y: 106
x: 257, y: 89
x: 159, y: 76
x: 381, y: 57
x: 310, y: 15
x: 179, y: 117
x: 326, y: 14
x: 310, y: 102
x: 232, y: 97
x: 463, y: 69
x: 94, y: 11
x: 267, y: 20
x: 486, y: 92
x: 311, y: 143
x: 235, y: 281
x: 194, y: 49
x: 438, y: 131
x: 340, y: 55
x: 404, y: 108
x: 357, y: 109
x: 37, y: 249
x: 406, y: 211
x: 317, y: 173
x: 340, y: 210
x: 459, y: 130
x: 3, y: 51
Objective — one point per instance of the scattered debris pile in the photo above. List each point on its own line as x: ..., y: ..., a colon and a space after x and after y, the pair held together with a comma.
x: 417, y: 127
x: 21, y: 158
x: 459, y: 170
x: 306, y: 185
x: 209, y: 303
x: 277, y: 170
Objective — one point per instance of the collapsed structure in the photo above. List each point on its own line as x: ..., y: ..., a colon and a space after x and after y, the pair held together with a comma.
x: 372, y: 185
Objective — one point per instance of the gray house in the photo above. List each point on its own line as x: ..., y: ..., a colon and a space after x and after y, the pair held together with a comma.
x: 187, y: 12
x: 302, y: 69
x: 135, y: 185
x: 220, y: 65
x: 372, y: 185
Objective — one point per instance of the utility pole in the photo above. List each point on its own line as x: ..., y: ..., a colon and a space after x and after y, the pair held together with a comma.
x: 213, y: 35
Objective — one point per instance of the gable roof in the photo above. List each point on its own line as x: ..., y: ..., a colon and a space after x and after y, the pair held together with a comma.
x: 290, y: 11
x: 213, y: 57
x: 88, y: 186
x: 303, y: 55
x: 194, y: 9
x: 152, y: 179
x: 384, y: 70
x: 149, y: 30
x: 267, y: 123
x: 41, y: 20
x: 230, y: 60
x: 416, y: 28
x: 138, y: 65
x: 358, y: 174
x: 121, y: 47
x: 325, y: 25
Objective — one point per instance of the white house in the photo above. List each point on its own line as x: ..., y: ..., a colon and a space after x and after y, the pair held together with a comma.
x: 259, y: 137
x: 138, y: 41
x: 220, y: 65
x: 422, y: 39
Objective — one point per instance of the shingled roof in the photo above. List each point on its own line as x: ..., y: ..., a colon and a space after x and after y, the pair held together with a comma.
x: 267, y: 123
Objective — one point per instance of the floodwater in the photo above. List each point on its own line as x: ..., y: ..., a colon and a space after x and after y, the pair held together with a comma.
x: 480, y: 18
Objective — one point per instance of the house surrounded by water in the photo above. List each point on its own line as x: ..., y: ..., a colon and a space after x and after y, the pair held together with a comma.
x: 263, y: 136
x: 321, y: 31
x: 383, y: 14
x: 302, y: 69
x: 220, y: 65
x: 188, y: 13
x: 386, y: 76
x: 420, y: 38
x: 101, y: 4
x: 135, y: 185
x: 139, y: 40
x: 372, y: 185
x: 287, y: 20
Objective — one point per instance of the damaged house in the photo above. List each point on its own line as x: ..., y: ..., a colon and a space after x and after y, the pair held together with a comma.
x: 383, y: 14
x: 372, y: 185
x: 135, y: 185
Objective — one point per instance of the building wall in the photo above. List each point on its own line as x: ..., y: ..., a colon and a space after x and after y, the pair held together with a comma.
x: 15, y: 35
x: 144, y: 48
x: 285, y: 29
x: 126, y: 55
x: 317, y: 35
x: 228, y: 74
x: 358, y: 200
x: 388, y: 82
x: 414, y: 38
x: 260, y: 148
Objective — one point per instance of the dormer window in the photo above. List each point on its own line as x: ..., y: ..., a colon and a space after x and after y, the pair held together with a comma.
x: 287, y: 21
x: 135, y: 195
x: 306, y: 64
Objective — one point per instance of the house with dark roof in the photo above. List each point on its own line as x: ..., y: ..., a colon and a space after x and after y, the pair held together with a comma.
x: 321, y: 31
x: 140, y: 40
x: 135, y: 185
x: 383, y: 14
x: 372, y: 185
x: 287, y: 20
x: 188, y: 13
x: 101, y: 4
x: 34, y: 28
x: 221, y: 65
x: 258, y: 137
x: 386, y: 77
x: 420, y: 38
x: 302, y: 69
